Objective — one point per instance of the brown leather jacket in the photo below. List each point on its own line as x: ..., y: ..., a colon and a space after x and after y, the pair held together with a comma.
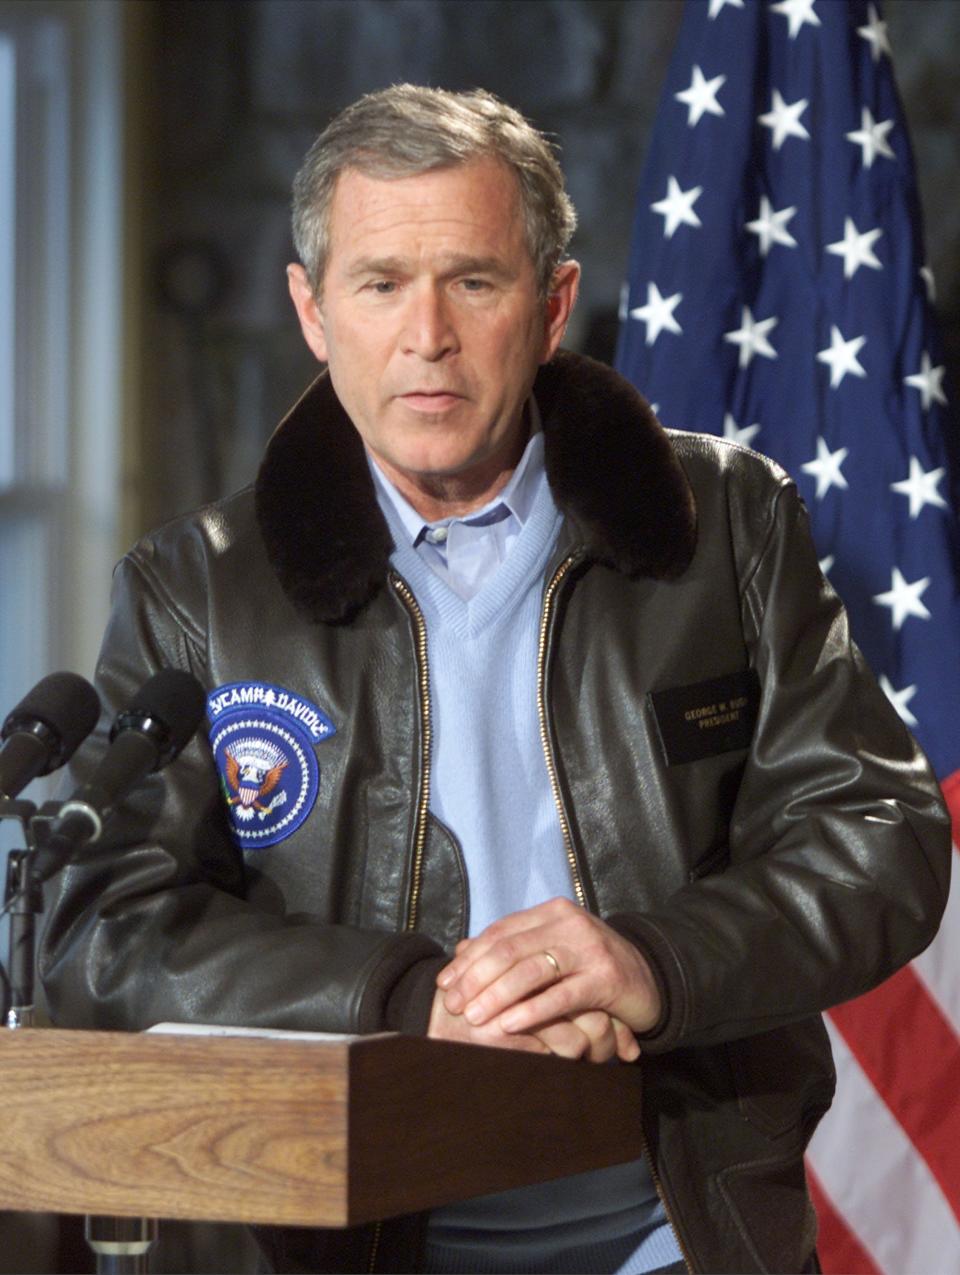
x: 735, y: 792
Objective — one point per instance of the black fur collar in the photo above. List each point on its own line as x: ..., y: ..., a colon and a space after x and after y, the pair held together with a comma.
x: 609, y: 463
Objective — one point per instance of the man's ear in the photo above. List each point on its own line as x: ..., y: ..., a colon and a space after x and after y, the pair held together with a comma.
x: 560, y: 301
x: 308, y: 311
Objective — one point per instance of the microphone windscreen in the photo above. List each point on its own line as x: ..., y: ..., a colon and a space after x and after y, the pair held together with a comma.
x: 174, y: 698
x: 66, y: 704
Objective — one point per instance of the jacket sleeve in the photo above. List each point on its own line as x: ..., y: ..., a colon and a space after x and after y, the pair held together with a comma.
x: 840, y: 842
x: 158, y: 920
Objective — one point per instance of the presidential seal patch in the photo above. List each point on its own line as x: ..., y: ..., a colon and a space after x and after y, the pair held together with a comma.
x: 263, y: 740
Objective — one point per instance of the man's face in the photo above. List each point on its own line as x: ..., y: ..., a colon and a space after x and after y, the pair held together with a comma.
x: 431, y: 323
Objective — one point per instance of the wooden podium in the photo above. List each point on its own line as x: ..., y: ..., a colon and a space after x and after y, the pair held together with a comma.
x: 326, y: 1132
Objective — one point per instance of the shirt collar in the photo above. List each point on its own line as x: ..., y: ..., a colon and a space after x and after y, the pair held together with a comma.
x: 517, y: 497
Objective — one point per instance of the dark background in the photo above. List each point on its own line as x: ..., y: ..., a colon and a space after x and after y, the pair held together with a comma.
x: 234, y: 92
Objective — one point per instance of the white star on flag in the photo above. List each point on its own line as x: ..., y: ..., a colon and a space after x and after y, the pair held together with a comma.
x: 676, y: 207
x: 770, y: 226
x: 783, y: 119
x: 900, y: 700
x: 926, y: 274
x: 657, y: 314
x: 825, y: 564
x: 875, y: 32
x: 701, y: 96
x: 842, y: 356
x: 929, y: 381
x: 872, y: 136
x: 856, y: 249
x: 921, y: 487
x: 903, y: 599
x: 734, y: 434
x: 799, y: 12
x: 826, y: 468
x: 751, y: 337
x: 717, y: 5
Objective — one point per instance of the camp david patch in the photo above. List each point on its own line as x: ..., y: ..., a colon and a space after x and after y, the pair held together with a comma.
x: 263, y: 739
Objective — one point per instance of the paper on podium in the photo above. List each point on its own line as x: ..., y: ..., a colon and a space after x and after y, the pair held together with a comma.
x: 255, y: 1033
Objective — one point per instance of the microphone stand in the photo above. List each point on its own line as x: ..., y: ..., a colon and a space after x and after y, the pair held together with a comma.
x: 23, y: 901
x: 122, y: 1245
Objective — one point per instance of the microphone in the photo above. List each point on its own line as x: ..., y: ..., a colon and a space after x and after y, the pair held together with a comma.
x: 45, y: 729
x: 146, y: 736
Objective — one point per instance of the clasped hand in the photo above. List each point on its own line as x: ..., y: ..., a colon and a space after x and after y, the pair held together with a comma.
x: 551, y: 979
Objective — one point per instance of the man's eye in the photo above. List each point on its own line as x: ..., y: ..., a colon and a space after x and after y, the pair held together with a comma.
x: 383, y: 287
x: 475, y: 285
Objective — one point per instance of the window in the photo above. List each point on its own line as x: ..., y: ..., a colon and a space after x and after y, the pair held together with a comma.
x: 8, y: 94
x: 61, y: 348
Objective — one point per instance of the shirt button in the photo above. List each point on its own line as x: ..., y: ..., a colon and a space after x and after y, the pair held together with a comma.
x: 436, y: 535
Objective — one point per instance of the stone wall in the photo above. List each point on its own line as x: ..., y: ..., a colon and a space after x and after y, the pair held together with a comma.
x: 242, y: 88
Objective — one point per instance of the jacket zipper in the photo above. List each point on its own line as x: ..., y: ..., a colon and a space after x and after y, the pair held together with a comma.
x: 420, y: 825
x: 549, y: 599
x: 423, y: 687
x: 545, y: 618
x: 658, y: 1187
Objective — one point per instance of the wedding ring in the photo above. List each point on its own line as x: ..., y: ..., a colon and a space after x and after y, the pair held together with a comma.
x: 555, y: 963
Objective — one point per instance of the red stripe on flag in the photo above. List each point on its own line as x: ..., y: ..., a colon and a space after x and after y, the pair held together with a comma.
x: 911, y: 1054
x: 951, y: 793
x: 838, y: 1248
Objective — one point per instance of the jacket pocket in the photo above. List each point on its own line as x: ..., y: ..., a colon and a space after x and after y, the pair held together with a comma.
x: 771, y: 1208
x: 784, y: 1079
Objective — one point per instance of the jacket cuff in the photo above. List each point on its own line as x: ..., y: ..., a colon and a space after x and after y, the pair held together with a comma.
x: 659, y: 955
x: 411, y: 1000
x: 398, y: 989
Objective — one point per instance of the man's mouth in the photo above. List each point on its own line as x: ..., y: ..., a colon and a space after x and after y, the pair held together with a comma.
x: 431, y: 400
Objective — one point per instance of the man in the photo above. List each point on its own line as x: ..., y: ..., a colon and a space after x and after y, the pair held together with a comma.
x: 499, y: 667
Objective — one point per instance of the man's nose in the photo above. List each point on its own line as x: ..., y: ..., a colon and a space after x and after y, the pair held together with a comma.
x: 429, y: 328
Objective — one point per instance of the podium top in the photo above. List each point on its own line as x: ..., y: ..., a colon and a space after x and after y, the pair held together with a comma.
x: 331, y: 1131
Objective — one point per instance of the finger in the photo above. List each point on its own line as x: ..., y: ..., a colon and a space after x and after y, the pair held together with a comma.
x: 507, y: 928
x: 470, y: 975
x: 525, y: 1044
x: 471, y: 951
x: 492, y: 1037
x: 566, y: 999
x: 599, y: 1029
x: 518, y: 981
x: 627, y: 1046
x: 565, y: 1039
x: 476, y: 971
x: 444, y: 1026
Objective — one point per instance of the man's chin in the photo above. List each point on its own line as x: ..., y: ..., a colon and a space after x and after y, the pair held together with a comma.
x: 445, y: 477
x: 431, y: 464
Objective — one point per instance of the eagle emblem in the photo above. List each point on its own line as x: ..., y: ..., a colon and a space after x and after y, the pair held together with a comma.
x: 254, y: 767
x: 263, y: 739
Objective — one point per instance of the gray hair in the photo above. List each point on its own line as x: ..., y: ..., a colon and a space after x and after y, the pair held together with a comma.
x: 409, y: 129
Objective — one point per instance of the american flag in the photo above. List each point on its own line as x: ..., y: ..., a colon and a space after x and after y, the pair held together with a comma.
x: 779, y: 295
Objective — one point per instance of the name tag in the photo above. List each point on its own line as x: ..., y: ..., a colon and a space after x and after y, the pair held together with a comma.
x: 707, y: 718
